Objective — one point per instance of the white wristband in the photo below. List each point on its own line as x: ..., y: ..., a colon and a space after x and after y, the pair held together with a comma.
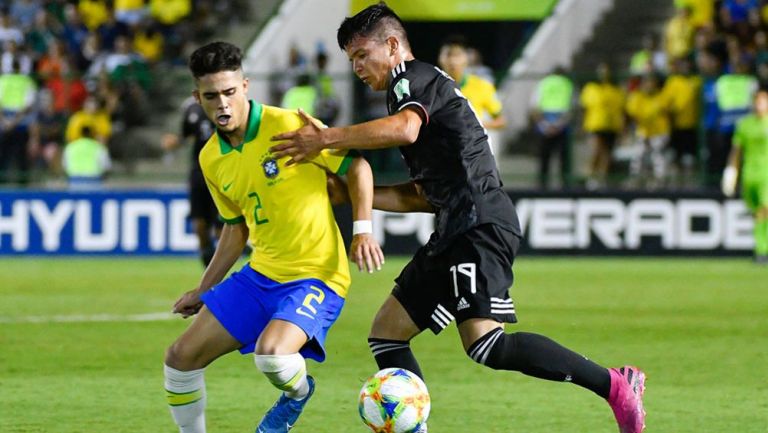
x: 362, y: 226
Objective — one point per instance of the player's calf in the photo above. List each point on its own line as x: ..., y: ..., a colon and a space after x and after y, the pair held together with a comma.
x: 185, y: 393
x: 394, y: 354
x: 538, y: 356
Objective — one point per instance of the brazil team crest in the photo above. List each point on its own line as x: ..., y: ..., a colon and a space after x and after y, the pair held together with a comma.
x: 271, y: 170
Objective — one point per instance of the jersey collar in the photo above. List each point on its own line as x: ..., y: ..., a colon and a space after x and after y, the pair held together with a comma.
x: 254, y: 121
x: 397, y: 70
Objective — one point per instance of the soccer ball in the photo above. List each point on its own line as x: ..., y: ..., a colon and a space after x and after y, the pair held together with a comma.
x: 394, y: 400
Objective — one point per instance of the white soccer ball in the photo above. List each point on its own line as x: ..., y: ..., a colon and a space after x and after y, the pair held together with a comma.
x: 394, y: 400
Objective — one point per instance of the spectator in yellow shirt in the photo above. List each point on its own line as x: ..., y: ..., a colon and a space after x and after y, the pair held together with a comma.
x: 647, y: 108
x: 678, y: 36
x: 682, y: 92
x: 169, y: 16
x: 92, y: 116
x: 130, y: 12
x: 149, y: 42
x: 93, y: 12
x: 702, y: 11
x: 603, y: 104
x: 169, y: 12
x: 480, y: 93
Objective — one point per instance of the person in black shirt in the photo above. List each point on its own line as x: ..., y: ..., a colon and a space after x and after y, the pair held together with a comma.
x: 197, y: 129
x: 464, y: 272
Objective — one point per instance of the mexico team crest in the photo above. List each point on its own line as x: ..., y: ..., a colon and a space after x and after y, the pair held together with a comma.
x: 271, y: 169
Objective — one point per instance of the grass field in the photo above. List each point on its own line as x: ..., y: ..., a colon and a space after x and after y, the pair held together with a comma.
x: 75, y: 357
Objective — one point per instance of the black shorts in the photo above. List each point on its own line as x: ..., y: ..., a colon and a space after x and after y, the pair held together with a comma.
x: 684, y: 142
x: 201, y: 204
x: 608, y: 137
x: 468, y: 280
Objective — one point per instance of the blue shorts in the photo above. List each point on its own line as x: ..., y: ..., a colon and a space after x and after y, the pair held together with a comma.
x: 247, y: 301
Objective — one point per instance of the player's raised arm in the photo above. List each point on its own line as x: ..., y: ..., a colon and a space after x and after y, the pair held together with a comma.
x: 228, y: 250
x: 399, y: 129
x: 404, y: 197
x: 365, y: 250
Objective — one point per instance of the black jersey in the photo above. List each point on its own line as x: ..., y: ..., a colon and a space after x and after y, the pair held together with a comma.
x: 451, y: 159
x: 195, y: 124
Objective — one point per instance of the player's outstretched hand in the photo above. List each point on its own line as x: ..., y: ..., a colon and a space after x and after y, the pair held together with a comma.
x: 302, y: 144
x: 188, y: 305
x: 366, y: 252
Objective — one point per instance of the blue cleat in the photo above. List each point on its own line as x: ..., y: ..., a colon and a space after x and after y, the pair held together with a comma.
x: 285, y: 412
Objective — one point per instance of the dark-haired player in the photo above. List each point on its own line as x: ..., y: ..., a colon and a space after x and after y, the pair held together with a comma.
x: 464, y: 272
x: 281, y: 304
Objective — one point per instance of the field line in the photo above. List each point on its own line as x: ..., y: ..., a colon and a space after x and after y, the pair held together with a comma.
x: 87, y: 318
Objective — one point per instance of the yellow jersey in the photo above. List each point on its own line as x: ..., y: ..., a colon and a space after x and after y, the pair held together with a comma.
x: 481, y: 95
x: 682, y: 94
x: 603, y: 107
x: 99, y: 122
x: 649, y: 111
x: 286, y: 208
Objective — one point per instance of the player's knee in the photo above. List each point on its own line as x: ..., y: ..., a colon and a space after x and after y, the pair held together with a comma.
x: 270, y: 346
x: 267, y: 349
x: 174, y: 356
x: 393, y: 323
x: 181, y: 357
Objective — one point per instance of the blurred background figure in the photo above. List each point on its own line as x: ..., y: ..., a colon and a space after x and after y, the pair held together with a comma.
x: 649, y: 58
x: 682, y: 93
x: 480, y: 92
x: 734, y: 92
x: 750, y: 154
x: 647, y: 108
x: 678, y: 37
x: 603, y: 104
x: 85, y: 160
x: 17, y: 116
x: 92, y: 116
x: 327, y: 105
x: 551, y: 106
x: 196, y: 129
x: 710, y: 66
x: 302, y: 95
x: 49, y: 133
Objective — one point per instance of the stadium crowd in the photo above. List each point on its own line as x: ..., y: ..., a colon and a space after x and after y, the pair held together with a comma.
x: 69, y: 66
x: 678, y: 106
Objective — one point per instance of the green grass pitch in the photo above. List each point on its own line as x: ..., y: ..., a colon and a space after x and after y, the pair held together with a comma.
x: 70, y: 361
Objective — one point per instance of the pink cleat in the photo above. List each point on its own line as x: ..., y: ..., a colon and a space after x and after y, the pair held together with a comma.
x: 626, y: 398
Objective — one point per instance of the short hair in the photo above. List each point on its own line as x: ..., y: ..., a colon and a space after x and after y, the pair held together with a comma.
x: 373, y: 20
x: 215, y: 57
x: 456, y: 40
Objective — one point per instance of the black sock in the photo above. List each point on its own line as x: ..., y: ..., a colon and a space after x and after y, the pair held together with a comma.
x: 538, y: 356
x: 394, y: 354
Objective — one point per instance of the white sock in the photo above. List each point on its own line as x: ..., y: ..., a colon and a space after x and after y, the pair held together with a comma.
x: 185, y: 392
x: 285, y: 372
